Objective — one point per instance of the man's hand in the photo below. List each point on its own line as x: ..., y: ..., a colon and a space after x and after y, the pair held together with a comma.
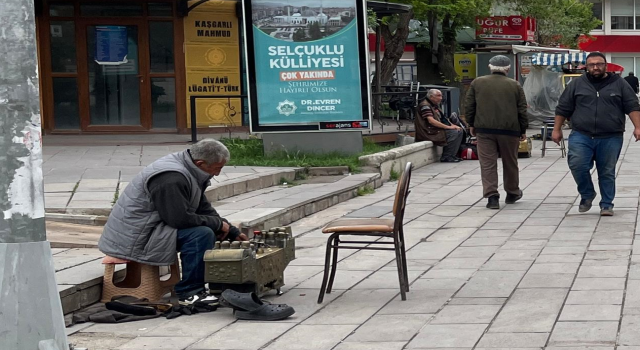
x: 556, y: 136
x: 472, y: 131
x: 523, y: 137
x: 636, y: 134
x: 455, y: 127
x: 225, y: 231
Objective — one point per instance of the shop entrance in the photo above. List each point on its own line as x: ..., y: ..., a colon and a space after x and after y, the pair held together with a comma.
x: 109, y: 66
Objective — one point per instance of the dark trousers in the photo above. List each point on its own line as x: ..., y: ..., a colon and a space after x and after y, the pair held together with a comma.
x: 454, y: 140
x: 583, y: 152
x: 489, y: 147
x: 192, y: 244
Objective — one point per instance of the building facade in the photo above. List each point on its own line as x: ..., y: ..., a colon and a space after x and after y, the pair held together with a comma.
x: 619, y: 36
x: 139, y: 65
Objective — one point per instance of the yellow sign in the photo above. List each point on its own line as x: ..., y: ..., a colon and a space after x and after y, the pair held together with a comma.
x: 212, y: 60
x: 465, y: 65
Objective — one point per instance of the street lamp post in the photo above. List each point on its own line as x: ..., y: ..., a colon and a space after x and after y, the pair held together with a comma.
x: 30, y: 310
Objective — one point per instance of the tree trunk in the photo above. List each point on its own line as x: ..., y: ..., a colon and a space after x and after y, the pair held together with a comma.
x: 446, y: 53
x: 428, y: 72
x: 394, y: 44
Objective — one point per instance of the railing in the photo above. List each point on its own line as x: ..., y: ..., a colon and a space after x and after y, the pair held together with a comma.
x: 409, y: 103
x: 230, y: 113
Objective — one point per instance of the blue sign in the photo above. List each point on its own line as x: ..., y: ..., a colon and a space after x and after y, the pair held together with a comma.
x: 112, y: 45
x: 307, y: 62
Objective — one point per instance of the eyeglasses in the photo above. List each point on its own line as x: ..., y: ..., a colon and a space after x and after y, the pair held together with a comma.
x: 599, y: 65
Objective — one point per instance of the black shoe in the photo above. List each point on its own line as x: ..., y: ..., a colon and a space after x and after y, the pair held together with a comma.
x: 494, y: 202
x: 201, y: 299
x: 512, y: 198
x: 449, y: 160
x: 585, y: 205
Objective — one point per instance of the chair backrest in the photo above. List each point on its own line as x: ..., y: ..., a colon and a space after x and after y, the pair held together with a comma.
x: 402, y: 191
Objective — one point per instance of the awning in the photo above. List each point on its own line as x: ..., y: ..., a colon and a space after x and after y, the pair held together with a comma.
x: 558, y: 59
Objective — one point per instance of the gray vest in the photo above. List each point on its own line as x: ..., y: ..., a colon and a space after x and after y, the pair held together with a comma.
x: 134, y: 230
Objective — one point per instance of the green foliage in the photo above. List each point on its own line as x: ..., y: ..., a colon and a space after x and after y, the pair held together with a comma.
x: 393, y: 174
x: 250, y: 152
x: 299, y: 35
x: 314, y: 31
x: 115, y: 196
x: 372, y: 19
x: 559, y: 22
x: 365, y: 190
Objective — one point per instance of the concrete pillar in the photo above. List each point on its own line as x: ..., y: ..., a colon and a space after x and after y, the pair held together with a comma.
x: 30, y: 310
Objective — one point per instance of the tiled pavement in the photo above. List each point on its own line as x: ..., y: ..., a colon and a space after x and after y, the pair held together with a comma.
x: 532, y: 275
x: 86, y: 180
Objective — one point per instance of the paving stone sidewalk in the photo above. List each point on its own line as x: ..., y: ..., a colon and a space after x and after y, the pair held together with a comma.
x: 87, y: 179
x: 533, y: 275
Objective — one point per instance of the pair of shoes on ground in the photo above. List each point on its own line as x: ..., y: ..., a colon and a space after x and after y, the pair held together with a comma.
x: 494, y: 201
x: 450, y: 160
x: 585, y: 206
x: 247, y: 306
x: 202, y: 299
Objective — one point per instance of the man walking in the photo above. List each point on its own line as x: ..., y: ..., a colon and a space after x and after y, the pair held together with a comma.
x: 633, y: 81
x: 596, y: 103
x: 432, y: 125
x: 496, y: 111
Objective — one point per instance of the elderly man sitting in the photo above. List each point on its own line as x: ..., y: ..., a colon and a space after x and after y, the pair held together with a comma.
x: 164, y: 210
x: 432, y: 125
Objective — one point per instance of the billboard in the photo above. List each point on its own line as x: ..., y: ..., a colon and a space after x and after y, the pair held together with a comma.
x: 506, y: 28
x: 308, y: 65
x: 212, y: 62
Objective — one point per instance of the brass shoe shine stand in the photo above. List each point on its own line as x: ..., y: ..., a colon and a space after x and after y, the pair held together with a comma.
x: 254, y: 266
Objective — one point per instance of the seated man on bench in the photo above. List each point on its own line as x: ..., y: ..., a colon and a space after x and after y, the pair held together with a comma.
x: 432, y: 125
x: 164, y: 210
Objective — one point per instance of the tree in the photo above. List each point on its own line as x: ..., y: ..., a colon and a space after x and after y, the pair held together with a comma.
x: 443, y: 19
x: 395, y: 32
x: 314, y: 31
x: 560, y: 22
x: 299, y: 35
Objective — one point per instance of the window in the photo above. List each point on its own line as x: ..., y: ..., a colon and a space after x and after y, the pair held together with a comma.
x: 623, y: 15
x: 597, y: 10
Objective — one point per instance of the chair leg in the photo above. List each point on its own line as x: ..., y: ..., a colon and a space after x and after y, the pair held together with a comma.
x: 325, y: 277
x: 399, y: 265
x: 544, y: 140
x: 403, y: 253
x: 334, y: 262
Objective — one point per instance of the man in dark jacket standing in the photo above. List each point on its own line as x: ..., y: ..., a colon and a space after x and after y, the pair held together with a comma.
x: 633, y: 81
x: 164, y: 210
x: 596, y: 103
x: 496, y: 111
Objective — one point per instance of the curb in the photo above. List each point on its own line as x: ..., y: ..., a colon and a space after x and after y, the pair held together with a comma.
x: 290, y: 214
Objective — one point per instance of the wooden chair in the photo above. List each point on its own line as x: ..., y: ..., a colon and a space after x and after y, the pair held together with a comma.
x: 374, y: 227
x: 141, y: 281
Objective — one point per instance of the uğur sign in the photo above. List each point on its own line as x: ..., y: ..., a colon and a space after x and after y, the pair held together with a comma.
x: 505, y: 28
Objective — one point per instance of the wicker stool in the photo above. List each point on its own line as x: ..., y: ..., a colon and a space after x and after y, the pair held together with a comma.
x: 140, y: 281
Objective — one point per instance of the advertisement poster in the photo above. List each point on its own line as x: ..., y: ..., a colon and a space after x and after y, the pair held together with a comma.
x: 465, y: 65
x: 212, y: 60
x: 307, y: 60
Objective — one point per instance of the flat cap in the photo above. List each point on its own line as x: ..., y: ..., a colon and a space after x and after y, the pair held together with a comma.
x: 500, y: 61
